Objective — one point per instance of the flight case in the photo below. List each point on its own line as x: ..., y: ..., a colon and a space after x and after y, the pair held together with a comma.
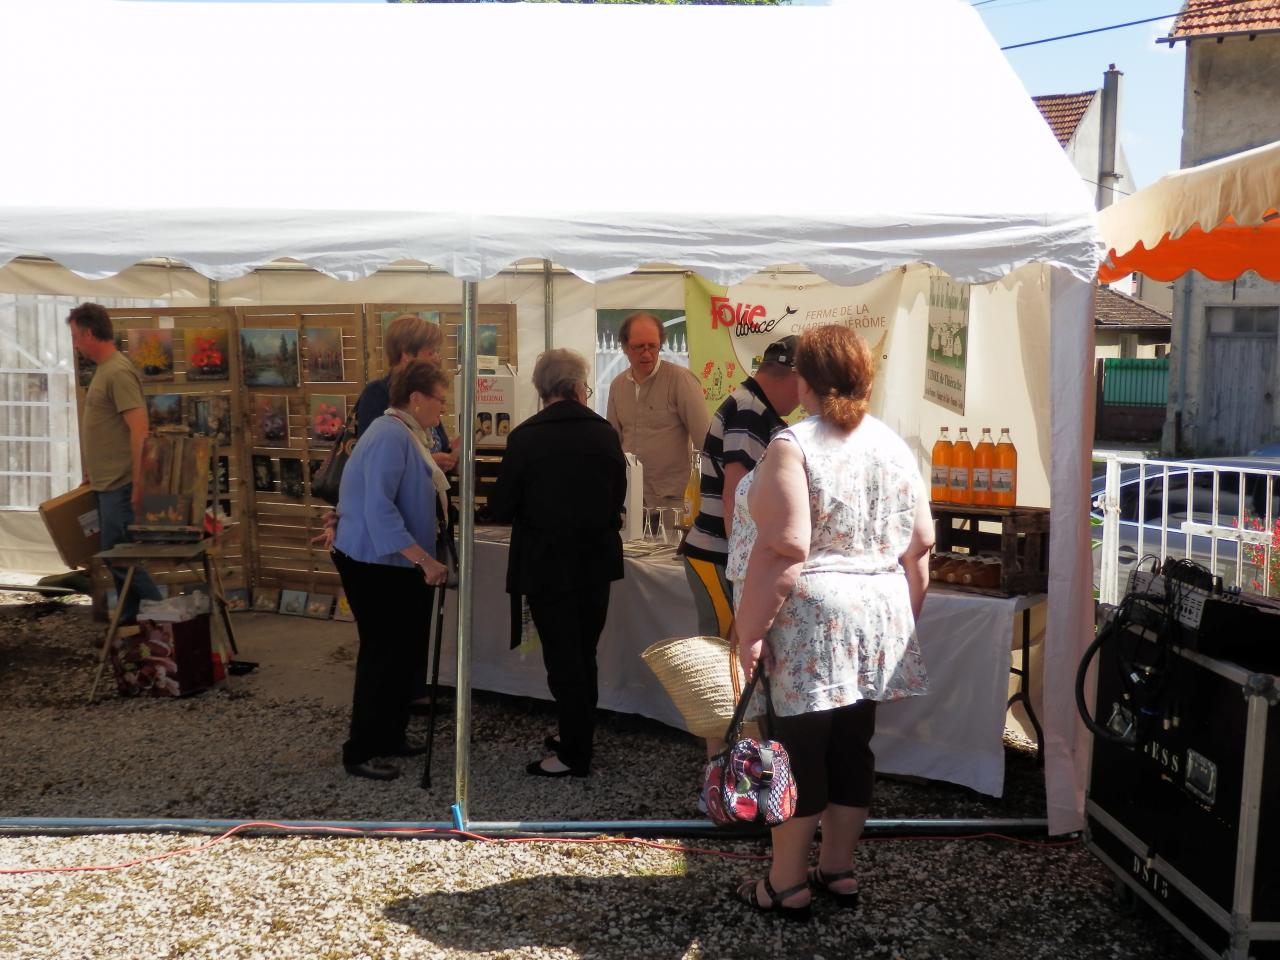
x: 1190, y: 818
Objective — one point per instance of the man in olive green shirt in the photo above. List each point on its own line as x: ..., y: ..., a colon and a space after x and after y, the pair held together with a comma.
x: 658, y: 410
x: 112, y: 430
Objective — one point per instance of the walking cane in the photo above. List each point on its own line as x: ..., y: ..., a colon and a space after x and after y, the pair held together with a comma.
x: 449, y: 551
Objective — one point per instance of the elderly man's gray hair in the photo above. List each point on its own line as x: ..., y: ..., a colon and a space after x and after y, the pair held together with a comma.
x: 557, y: 374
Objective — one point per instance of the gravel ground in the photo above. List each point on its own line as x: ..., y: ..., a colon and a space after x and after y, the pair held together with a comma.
x: 248, y: 756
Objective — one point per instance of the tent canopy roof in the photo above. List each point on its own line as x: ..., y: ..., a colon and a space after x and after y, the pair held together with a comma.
x: 1218, y: 218
x: 848, y: 139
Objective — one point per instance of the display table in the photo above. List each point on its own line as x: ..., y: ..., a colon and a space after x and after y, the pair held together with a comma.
x: 955, y: 733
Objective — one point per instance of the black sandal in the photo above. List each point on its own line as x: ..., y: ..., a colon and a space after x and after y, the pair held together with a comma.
x: 746, y: 892
x: 847, y: 901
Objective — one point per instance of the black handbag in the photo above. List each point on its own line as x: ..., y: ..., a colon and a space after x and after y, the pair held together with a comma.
x: 326, y: 481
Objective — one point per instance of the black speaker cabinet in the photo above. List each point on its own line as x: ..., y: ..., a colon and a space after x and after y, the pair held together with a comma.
x: 1189, y: 818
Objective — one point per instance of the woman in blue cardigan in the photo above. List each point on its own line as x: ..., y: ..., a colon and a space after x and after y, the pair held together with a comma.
x: 384, y: 550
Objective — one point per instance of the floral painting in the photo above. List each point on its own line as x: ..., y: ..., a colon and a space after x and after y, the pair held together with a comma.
x: 328, y: 410
x: 152, y: 353
x: 269, y: 356
x: 270, y: 420
x: 324, y: 355
x: 206, y: 353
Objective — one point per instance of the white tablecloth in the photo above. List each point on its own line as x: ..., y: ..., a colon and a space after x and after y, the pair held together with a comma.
x: 955, y: 733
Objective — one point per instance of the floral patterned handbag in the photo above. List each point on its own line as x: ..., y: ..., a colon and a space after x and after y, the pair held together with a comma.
x: 750, y: 781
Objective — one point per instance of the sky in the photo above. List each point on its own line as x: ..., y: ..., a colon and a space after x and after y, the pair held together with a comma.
x: 1150, y: 93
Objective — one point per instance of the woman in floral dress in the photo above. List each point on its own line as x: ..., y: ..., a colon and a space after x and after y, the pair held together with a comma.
x: 829, y: 560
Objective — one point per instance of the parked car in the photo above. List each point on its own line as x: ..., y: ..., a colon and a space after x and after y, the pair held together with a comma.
x: 1244, y: 485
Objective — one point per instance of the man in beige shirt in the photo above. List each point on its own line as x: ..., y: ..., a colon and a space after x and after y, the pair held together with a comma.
x: 112, y: 428
x: 658, y: 410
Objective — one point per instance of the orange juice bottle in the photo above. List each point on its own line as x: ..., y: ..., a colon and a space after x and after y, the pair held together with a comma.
x: 941, y: 479
x: 962, y: 469
x: 984, y: 458
x: 1004, y: 475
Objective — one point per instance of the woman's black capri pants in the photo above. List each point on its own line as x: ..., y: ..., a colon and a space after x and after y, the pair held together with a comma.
x: 831, y: 756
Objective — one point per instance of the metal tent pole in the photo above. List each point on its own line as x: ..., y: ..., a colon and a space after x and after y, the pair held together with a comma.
x: 427, y: 829
x: 548, y: 305
x: 466, y: 548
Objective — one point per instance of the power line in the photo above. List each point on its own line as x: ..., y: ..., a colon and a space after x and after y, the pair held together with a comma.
x: 1200, y: 8
x: 1085, y: 33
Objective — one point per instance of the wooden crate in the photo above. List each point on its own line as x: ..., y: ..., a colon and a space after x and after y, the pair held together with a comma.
x: 1018, y: 536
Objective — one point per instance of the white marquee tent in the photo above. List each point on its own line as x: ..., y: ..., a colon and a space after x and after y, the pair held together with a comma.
x: 848, y: 139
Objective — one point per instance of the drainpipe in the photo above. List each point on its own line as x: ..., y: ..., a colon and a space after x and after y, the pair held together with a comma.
x: 1107, y: 176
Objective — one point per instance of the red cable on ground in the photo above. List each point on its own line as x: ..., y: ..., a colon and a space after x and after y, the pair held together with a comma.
x: 635, y: 841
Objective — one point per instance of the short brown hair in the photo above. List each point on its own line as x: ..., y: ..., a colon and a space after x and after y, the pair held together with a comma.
x: 408, y: 335
x: 836, y: 363
x: 421, y: 376
x: 624, y: 331
x: 94, y: 319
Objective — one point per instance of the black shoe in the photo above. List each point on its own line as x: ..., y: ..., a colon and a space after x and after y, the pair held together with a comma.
x: 536, y: 769
x: 406, y: 748
x: 372, y: 770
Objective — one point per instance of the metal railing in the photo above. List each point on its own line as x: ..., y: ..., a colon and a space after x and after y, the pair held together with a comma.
x: 1223, y: 517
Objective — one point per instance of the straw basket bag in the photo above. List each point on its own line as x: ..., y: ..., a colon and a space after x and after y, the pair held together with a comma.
x: 702, y: 677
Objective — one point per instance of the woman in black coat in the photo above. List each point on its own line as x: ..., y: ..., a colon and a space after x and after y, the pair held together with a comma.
x: 562, y: 487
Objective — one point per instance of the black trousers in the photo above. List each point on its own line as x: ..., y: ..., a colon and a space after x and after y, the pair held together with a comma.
x: 569, y: 626
x: 392, y: 607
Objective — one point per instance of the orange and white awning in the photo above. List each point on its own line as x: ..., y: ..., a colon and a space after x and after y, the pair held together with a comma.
x: 1219, y: 219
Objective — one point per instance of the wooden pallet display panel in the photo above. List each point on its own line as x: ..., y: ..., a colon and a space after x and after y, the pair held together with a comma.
x: 329, y: 377
x: 1018, y: 536
x: 500, y: 316
x: 207, y: 402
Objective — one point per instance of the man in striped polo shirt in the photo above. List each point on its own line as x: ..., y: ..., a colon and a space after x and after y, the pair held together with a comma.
x: 742, y: 427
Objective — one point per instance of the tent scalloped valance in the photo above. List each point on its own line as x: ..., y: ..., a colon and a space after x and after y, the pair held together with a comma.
x: 1161, y: 231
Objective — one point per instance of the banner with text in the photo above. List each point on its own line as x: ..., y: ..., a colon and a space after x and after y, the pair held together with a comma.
x: 729, y: 327
x: 947, y: 349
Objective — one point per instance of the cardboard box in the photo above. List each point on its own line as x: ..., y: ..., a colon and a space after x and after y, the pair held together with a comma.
x: 72, y: 521
x: 495, y: 406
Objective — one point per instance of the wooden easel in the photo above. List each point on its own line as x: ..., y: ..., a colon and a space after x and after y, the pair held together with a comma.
x: 193, y: 555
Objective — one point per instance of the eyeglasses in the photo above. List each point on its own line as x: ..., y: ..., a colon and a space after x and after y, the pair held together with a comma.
x: 589, y: 390
x: 439, y: 399
x: 642, y: 347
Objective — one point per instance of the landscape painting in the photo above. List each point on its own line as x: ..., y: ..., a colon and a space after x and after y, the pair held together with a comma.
x: 269, y: 356
x: 206, y: 353
x: 164, y: 412
x: 264, y: 473
x: 209, y: 415
x: 324, y: 355
x: 291, y: 477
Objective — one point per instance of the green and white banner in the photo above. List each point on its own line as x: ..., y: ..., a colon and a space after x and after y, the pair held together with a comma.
x: 947, y: 351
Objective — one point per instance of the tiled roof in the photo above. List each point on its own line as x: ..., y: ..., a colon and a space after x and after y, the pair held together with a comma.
x: 1211, y: 18
x: 1062, y: 111
x: 1112, y: 308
